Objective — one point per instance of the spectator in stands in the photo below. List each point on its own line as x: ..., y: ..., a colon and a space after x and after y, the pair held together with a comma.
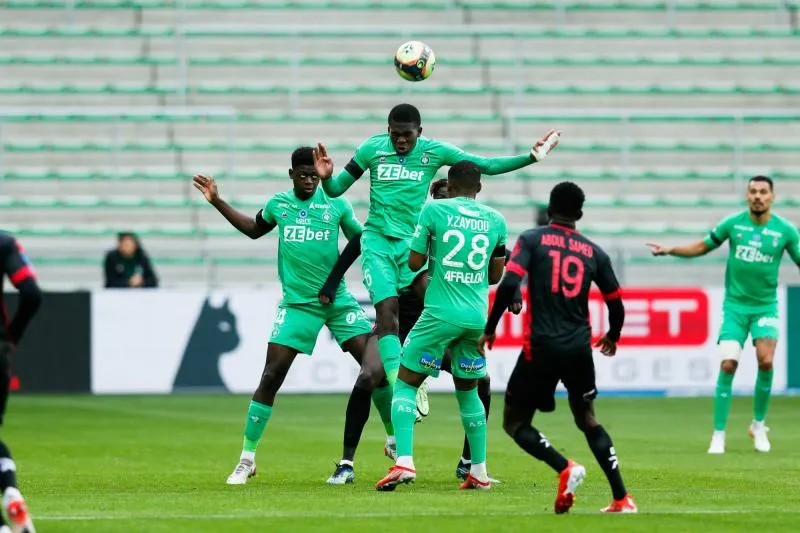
x: 128, y: 266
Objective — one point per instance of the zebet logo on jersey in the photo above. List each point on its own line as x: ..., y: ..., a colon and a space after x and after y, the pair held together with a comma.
x: 303, y: 234
x: 750, y: 254
x: 393, y: 172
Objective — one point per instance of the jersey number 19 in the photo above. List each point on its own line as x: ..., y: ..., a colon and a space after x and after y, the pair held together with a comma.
x: 561, y: 280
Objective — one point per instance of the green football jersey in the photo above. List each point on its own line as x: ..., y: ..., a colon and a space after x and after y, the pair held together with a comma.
x: 751, y: 275
x: 461, y: 235
x: 399, y: 183
x: 308, y: 244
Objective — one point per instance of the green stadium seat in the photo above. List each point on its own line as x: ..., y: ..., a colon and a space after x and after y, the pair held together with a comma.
x: 247, y: 202
x: 673, y: 60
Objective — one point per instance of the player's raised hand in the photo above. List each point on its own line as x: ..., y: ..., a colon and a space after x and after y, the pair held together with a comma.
x: 485, y: 340
x: 607, y: 346
x: 657, y: 249
x: 208, y: 186
x: 322, y: 162
x: 545, y: 145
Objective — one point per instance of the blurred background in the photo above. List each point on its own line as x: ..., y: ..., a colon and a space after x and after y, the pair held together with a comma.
x: 108, y: 107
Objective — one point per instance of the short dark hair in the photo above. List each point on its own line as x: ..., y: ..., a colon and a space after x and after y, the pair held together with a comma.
x: 405, y: 114
x: 566, y: 200
x: 303, y: 156
x: 765, y: 179
x: 436, y: 185
x: 464, y: 176
x: 127, y: 235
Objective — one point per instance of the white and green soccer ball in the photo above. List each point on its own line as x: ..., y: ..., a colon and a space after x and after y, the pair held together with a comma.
x: 414, y: 61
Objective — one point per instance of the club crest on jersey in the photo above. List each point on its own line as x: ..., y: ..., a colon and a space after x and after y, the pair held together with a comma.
x: 382, y: 160
x: 326, y: 216
x: 424, y: 160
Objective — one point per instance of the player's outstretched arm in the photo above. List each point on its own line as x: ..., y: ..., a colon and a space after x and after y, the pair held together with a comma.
x: 324, y: 166
x: 253, y: 227
x: 346, y: 259
x: 500, y: 165
x: 695, y: 249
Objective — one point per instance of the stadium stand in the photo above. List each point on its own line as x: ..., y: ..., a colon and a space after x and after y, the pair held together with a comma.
x: 107, y: 107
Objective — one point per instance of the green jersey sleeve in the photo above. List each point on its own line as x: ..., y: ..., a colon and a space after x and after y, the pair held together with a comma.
x: 269, y: 209
x: 423, y: 231
x: 720, y: 233
x: 793, y: 245
x: 348, y: 220
x: 490, y: 166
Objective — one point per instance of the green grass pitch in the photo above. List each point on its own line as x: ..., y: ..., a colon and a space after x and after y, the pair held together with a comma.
x: 130, y: 464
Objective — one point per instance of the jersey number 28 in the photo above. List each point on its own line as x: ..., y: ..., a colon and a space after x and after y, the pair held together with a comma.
x: 476, y: 258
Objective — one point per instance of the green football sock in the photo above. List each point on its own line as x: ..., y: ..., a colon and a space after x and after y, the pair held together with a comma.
x: 257, y: 417
x: 382, y: 398
x: 722, y: 400
x: 473, y: 417
x: 404, y: 415
x: 762, y: 394
x: 389, y: 348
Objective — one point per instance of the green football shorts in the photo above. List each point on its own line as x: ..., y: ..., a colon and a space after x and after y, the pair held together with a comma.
x: 737, y: 324
x: 429, y: 339
x: 298, y: 325
x: 384, y: 266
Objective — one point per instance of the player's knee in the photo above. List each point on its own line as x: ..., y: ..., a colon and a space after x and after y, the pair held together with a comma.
x: 586, y: 422
x: 484, y: 385
x: 729, y: 352
x: 511, y: 426
x: 765, y: 363
x: 369, y: 378
x: 729, y: 366
x: 387, y: 319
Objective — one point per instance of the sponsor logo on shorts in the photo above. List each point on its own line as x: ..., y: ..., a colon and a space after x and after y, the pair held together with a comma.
x: 352, y: 316
x: 472, y: 365
x: 768, y: 322
x: 428, y: 361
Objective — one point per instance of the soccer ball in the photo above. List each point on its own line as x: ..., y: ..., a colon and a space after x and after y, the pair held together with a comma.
x: 414, y: 61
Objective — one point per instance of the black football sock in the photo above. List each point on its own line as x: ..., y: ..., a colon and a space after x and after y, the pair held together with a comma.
x: 8, y: 470
x: 485, y: 395
x: 355, y: 418
x: 529, y: 439
x: 603, y: 450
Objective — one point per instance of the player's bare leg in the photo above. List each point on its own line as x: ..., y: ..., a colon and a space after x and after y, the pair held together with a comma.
x: 729, y: 352
x: 517, y: 423
x: 279, y: 361
x: 371, y: 378
x: 404, y: 411
x: 603, y: 449
x: 765, y: 352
